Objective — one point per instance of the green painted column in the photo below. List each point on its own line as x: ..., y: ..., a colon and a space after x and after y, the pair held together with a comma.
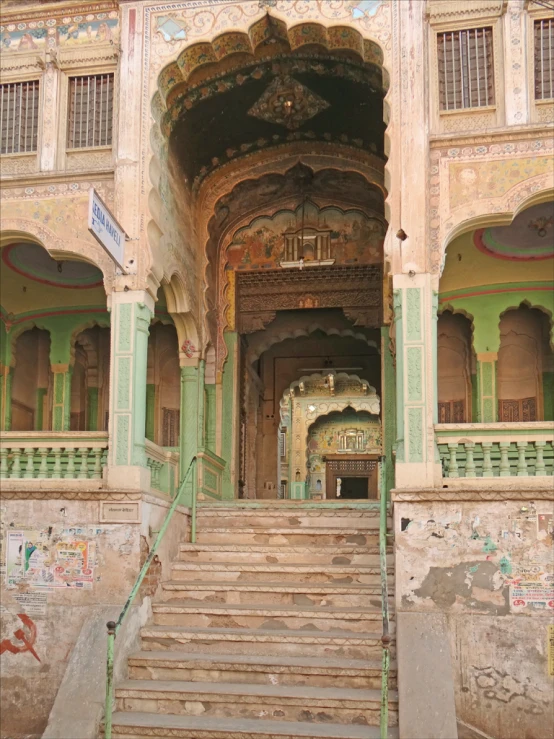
x: 201, y: 405
x: 150, y: 410
x: 92, y: 409
x: 211, y: 417
x: 188, y: 438
x: 6, y: 378
x: 548, y: 395
x: 61, y: 403
x: 487, y: 398
x: 229, y: 433
x: 39, y: 416
x: 132, y: 312
x: 388, y: 404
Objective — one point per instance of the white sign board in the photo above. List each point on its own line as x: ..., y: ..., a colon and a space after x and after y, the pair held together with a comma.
x: 105, y: 229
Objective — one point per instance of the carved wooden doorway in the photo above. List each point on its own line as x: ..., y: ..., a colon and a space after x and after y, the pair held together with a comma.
x: 351, y: 467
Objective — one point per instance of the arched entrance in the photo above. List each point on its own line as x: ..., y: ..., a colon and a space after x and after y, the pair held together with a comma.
x: 286, y: 194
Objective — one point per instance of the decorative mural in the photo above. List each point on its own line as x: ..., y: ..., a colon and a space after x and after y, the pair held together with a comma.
x: 529, y: 237
x: 349, y: 432
x: 352, y: 237
x: 68, y: 30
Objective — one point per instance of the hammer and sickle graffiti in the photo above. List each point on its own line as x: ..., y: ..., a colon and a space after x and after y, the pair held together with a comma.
x: 6, y: 645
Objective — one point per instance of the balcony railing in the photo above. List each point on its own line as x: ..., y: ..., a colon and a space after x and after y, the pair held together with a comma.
x: 39, y: 455
x: 496, y: 449
x: 164, y: 467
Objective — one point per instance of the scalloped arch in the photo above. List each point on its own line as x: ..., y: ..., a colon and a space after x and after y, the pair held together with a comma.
x: 184, y: 71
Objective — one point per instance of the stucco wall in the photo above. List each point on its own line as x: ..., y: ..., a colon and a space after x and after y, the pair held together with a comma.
x: 488, y: 566
x: 36, y: 648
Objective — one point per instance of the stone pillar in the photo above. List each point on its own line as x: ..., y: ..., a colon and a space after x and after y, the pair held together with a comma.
x: 417, y: 462
x: 210, y: 417
x: 92, y: 408
x: 230, y: 415
x: 388, y: 404
x: 6, y: 377
x: 150, y: 410
x: 61, y: 402
x: 188, y: 437
x: 201, y: 405
x: 487, y: 400
x: 132, y: 312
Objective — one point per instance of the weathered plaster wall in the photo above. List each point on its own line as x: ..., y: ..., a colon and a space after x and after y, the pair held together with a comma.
x: 40, y: 622
x: 488, y: 566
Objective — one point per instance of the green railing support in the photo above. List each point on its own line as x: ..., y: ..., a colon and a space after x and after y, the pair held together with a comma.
x: 114, y: 626
x: 385, y: 638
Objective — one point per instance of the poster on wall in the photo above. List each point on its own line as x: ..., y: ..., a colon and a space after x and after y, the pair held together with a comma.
x: 34, y: 559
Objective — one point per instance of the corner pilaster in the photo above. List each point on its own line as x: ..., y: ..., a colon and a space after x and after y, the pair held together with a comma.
x: 132, y: 312
x: 415, y: 306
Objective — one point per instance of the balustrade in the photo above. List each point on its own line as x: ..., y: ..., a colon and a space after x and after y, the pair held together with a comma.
x: 496, y: 450
x: 40, y: 456
x: 163, y: 464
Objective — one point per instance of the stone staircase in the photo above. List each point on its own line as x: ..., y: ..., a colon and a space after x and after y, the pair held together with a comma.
x: 269, y: 628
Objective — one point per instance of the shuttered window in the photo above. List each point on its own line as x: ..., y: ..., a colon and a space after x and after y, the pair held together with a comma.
x: 544, y: 59
x: 19, y: 117
x: 466, y: 69
x: 90, y: 111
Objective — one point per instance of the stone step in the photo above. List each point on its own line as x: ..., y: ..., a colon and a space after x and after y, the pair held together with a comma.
x: 251, y: 701
x: 273, y: 555
x: 234, y: 571
x: 280, y: 642
x: 291, y: 593
x: 262, y: 670
x: 362, y: 520
x: 135, y: 725
x: 272, y: 536
x: 222, y: 615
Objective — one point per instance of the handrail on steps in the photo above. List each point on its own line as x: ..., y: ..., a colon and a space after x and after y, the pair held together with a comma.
x: 114, y: 626
x: 385, y: 638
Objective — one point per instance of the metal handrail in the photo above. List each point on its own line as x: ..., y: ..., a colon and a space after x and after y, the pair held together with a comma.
x: 385, y: 638
x: 114, y: 626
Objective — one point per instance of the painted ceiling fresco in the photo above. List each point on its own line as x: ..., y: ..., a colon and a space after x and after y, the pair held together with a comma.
x: 354, y: 238
x: 331, y: 100
x: 529, y: 237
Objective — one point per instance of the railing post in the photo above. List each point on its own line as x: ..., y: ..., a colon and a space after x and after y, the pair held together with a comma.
x: 487, y: 462
x: 540, y: 468
x: 504, y: 461
x: 470, y: 463
x: 193, y: 516
x: 452, y: 462
x: 521, y: 461
x: 385, y: 638
x: 109, y: 681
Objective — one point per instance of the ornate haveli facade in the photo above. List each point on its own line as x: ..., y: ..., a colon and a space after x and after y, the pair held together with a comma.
x: 313, y: 395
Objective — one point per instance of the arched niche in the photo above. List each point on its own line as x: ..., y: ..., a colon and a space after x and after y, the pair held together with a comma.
x: 525, y: 366
x: 31, y: 392
x: 163, y: 399
x: 90, y: 380
x: 456, y: 368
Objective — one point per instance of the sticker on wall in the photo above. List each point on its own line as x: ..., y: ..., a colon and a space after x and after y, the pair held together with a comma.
x: 42, y: 561
x: 550, y: 646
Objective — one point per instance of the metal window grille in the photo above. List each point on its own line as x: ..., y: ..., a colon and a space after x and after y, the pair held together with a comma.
x: 90, y: 111
x: 466, y: 69
x: 544, y: 59
x: 19, y: 117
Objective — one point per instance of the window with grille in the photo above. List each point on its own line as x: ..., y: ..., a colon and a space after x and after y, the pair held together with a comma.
x: 466, y: 69
x: 90, y: 111
x: 544, y: 59
x: 19, y: 117
x: 282, y: 443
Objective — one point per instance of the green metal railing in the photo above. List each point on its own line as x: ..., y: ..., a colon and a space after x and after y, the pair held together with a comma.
x: 114, y: 626
x: 385, y: 638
